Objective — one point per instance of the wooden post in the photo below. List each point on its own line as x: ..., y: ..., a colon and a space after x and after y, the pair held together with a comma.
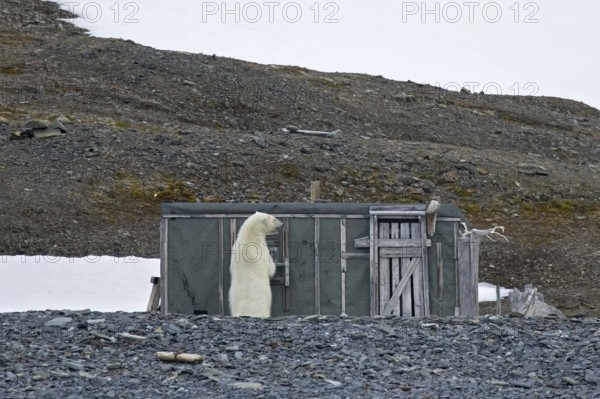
x: 498, y: 301
x: 474, y: 244
x: 315, y: 191
x: 154, y: 295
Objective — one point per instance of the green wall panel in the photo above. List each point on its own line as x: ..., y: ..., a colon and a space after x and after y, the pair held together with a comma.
x: 302, y: 266
x: 330, y: 268
x: 193, y: 275
x: 445, y: 305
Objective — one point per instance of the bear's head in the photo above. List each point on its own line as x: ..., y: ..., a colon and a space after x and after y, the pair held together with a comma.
x: 271, y: 223
x: 265, y: 223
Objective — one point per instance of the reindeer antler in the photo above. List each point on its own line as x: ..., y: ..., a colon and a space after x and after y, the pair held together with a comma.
x: 485, y: 233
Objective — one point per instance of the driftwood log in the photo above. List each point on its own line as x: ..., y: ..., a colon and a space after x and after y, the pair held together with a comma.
x: 294, y: 129
x: 180, y: 357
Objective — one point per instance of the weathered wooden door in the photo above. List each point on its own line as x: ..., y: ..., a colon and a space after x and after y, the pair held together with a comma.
x: 399, y: 263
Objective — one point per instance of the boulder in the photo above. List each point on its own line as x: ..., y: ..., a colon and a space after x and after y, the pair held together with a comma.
x: 530, y: 303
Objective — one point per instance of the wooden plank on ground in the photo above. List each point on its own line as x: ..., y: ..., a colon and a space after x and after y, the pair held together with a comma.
x: 180, y: 357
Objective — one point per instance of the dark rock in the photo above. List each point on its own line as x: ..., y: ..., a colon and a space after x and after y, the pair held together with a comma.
x: 74, y: 366
x: 58, y: 322
x: 259, y: 140
x: 592, y: 377
x: 305, y: 150
x: 528, y: 384
x: 569, y: 380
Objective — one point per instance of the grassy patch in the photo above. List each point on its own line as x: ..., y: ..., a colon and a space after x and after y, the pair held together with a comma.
x: 461, y: 192
x: 473, y: 210
x: 13, y: 69
x: 8, y: 38
x: 411, y: 199
x: 327, y: 82
x: 290, y: 170
x: 55, y: 117
x: 545, y: 213
x: 130, y: 195
x: 213, y: 199
x: 175, y: 190
x: 562, y: 207
x: 123, y: 124
x: 292, y: 70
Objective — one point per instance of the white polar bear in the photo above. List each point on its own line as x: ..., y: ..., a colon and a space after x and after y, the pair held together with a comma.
x: 252, y: 267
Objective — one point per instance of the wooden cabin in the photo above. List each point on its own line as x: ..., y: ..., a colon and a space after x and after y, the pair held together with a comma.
x: 332, y: 259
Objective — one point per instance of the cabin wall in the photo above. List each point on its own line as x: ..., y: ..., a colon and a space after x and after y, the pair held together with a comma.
x: 193, y: 267
x: 326, y: 274
x: 357, y: 287
x: 302, y: 270
x: 441, y: 257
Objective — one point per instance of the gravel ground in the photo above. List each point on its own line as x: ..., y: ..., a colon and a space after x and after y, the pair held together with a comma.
x: 88, y: 354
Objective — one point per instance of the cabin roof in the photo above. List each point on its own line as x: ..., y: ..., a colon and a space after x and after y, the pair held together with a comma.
x: 191, y: 209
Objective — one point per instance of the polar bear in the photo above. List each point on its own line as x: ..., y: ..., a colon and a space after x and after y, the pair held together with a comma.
x: 252, y: 267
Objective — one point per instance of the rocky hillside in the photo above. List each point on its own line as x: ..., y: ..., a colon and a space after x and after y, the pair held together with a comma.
x: 145, y: 126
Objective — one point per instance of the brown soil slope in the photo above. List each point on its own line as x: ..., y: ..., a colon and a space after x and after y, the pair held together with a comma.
x: 146, y: 126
